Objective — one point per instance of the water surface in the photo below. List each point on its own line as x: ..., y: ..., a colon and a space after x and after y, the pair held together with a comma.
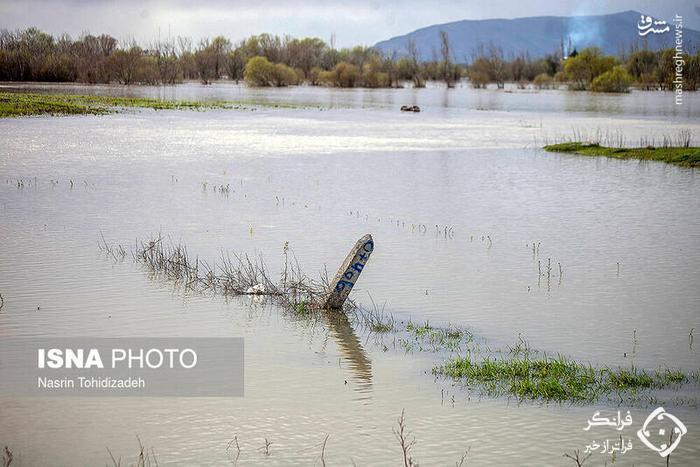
x: 626, y: 235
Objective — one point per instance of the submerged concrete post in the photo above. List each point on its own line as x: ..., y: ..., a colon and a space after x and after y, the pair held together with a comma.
x: 348, y: 273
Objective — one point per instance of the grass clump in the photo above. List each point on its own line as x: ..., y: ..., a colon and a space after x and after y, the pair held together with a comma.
x: 554, y: 378
x: 435, y: 338
x: 382, y: 327
x: 302, y: 308
x: 683, y: 156
x: 376, y: 319
x: 233, y: 274
x: 19, y: 105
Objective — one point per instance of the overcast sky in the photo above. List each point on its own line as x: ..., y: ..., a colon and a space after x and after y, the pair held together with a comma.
x: 358, y: 22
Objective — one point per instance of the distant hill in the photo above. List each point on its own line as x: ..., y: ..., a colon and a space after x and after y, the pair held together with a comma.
x: 539, y: 36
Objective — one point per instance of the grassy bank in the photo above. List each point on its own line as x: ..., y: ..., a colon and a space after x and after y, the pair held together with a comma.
x: 24, y: 104
x: 683, y: 156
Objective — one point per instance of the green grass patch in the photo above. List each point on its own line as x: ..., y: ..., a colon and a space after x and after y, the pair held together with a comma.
x: 382, y: 327
x: 683, y: 156
x: 19, y: 104
x: 427, y: 337
x: 555, y: 379
x: 302, y: 308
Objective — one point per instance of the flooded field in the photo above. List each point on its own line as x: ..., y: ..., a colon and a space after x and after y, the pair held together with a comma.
x: 466, y: 211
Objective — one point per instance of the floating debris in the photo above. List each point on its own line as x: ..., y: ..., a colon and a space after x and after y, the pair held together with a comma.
x: 410, y: 108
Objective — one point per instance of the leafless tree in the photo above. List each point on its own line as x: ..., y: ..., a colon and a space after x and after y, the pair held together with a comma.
x: 447, y: 67
x: 124, y: 62
x: 414, y: 56
x: 205, y: 62
x: 166, y: 58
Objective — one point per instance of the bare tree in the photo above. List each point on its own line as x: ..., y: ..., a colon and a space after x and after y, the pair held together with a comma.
x: 499, y: 68
x: 447, y: 67
x: 205, y: 62
x: 166, y: 61
x: 186, y: 58
x: 219, y: 49
x: 236, y: 64
x: 414, y: 55
x: 124, y: 62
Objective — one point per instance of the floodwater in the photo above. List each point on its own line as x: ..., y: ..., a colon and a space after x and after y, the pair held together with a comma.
x: 346, y: 163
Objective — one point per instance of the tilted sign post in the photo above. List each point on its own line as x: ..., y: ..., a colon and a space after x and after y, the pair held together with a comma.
x: 348, y: 273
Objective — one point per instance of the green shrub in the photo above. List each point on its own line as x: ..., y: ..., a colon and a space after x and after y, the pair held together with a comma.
x: 259, y: 71
x: 478, y: 79
x: 543, y: 81
x: 615, y: 80
x: 314, y: 75
x: 583, y: 68
x: 343, y: 75
x: 283, y: 75
x: 373, y: 74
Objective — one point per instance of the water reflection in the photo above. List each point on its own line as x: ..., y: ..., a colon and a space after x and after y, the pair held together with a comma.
x: 351, y: 349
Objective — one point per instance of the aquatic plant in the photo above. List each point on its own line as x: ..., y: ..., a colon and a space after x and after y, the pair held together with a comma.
x: 616, y: 138
x: 323, y: 451
x: 143, y: 459
x: 554, y: 378
x: 266, y: 447
x: 18, y: 104
x: 685, y: 156
x: 376, y: 319
x: 7, y: 457
x: 448, y: 338
x: 237, y: 274
x: 577, y: 457
x: 116, y: 252
x: 518, y: 370
x: 521, y: 347
x: 238, y: 448
x: 406, y: 441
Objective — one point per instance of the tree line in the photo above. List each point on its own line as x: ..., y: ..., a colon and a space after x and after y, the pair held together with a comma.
x: 270, y: 60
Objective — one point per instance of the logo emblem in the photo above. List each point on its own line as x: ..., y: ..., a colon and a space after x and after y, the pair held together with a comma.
x: 679, y: 430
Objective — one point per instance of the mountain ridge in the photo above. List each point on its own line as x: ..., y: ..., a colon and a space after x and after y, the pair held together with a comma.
x: 538, y: 36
